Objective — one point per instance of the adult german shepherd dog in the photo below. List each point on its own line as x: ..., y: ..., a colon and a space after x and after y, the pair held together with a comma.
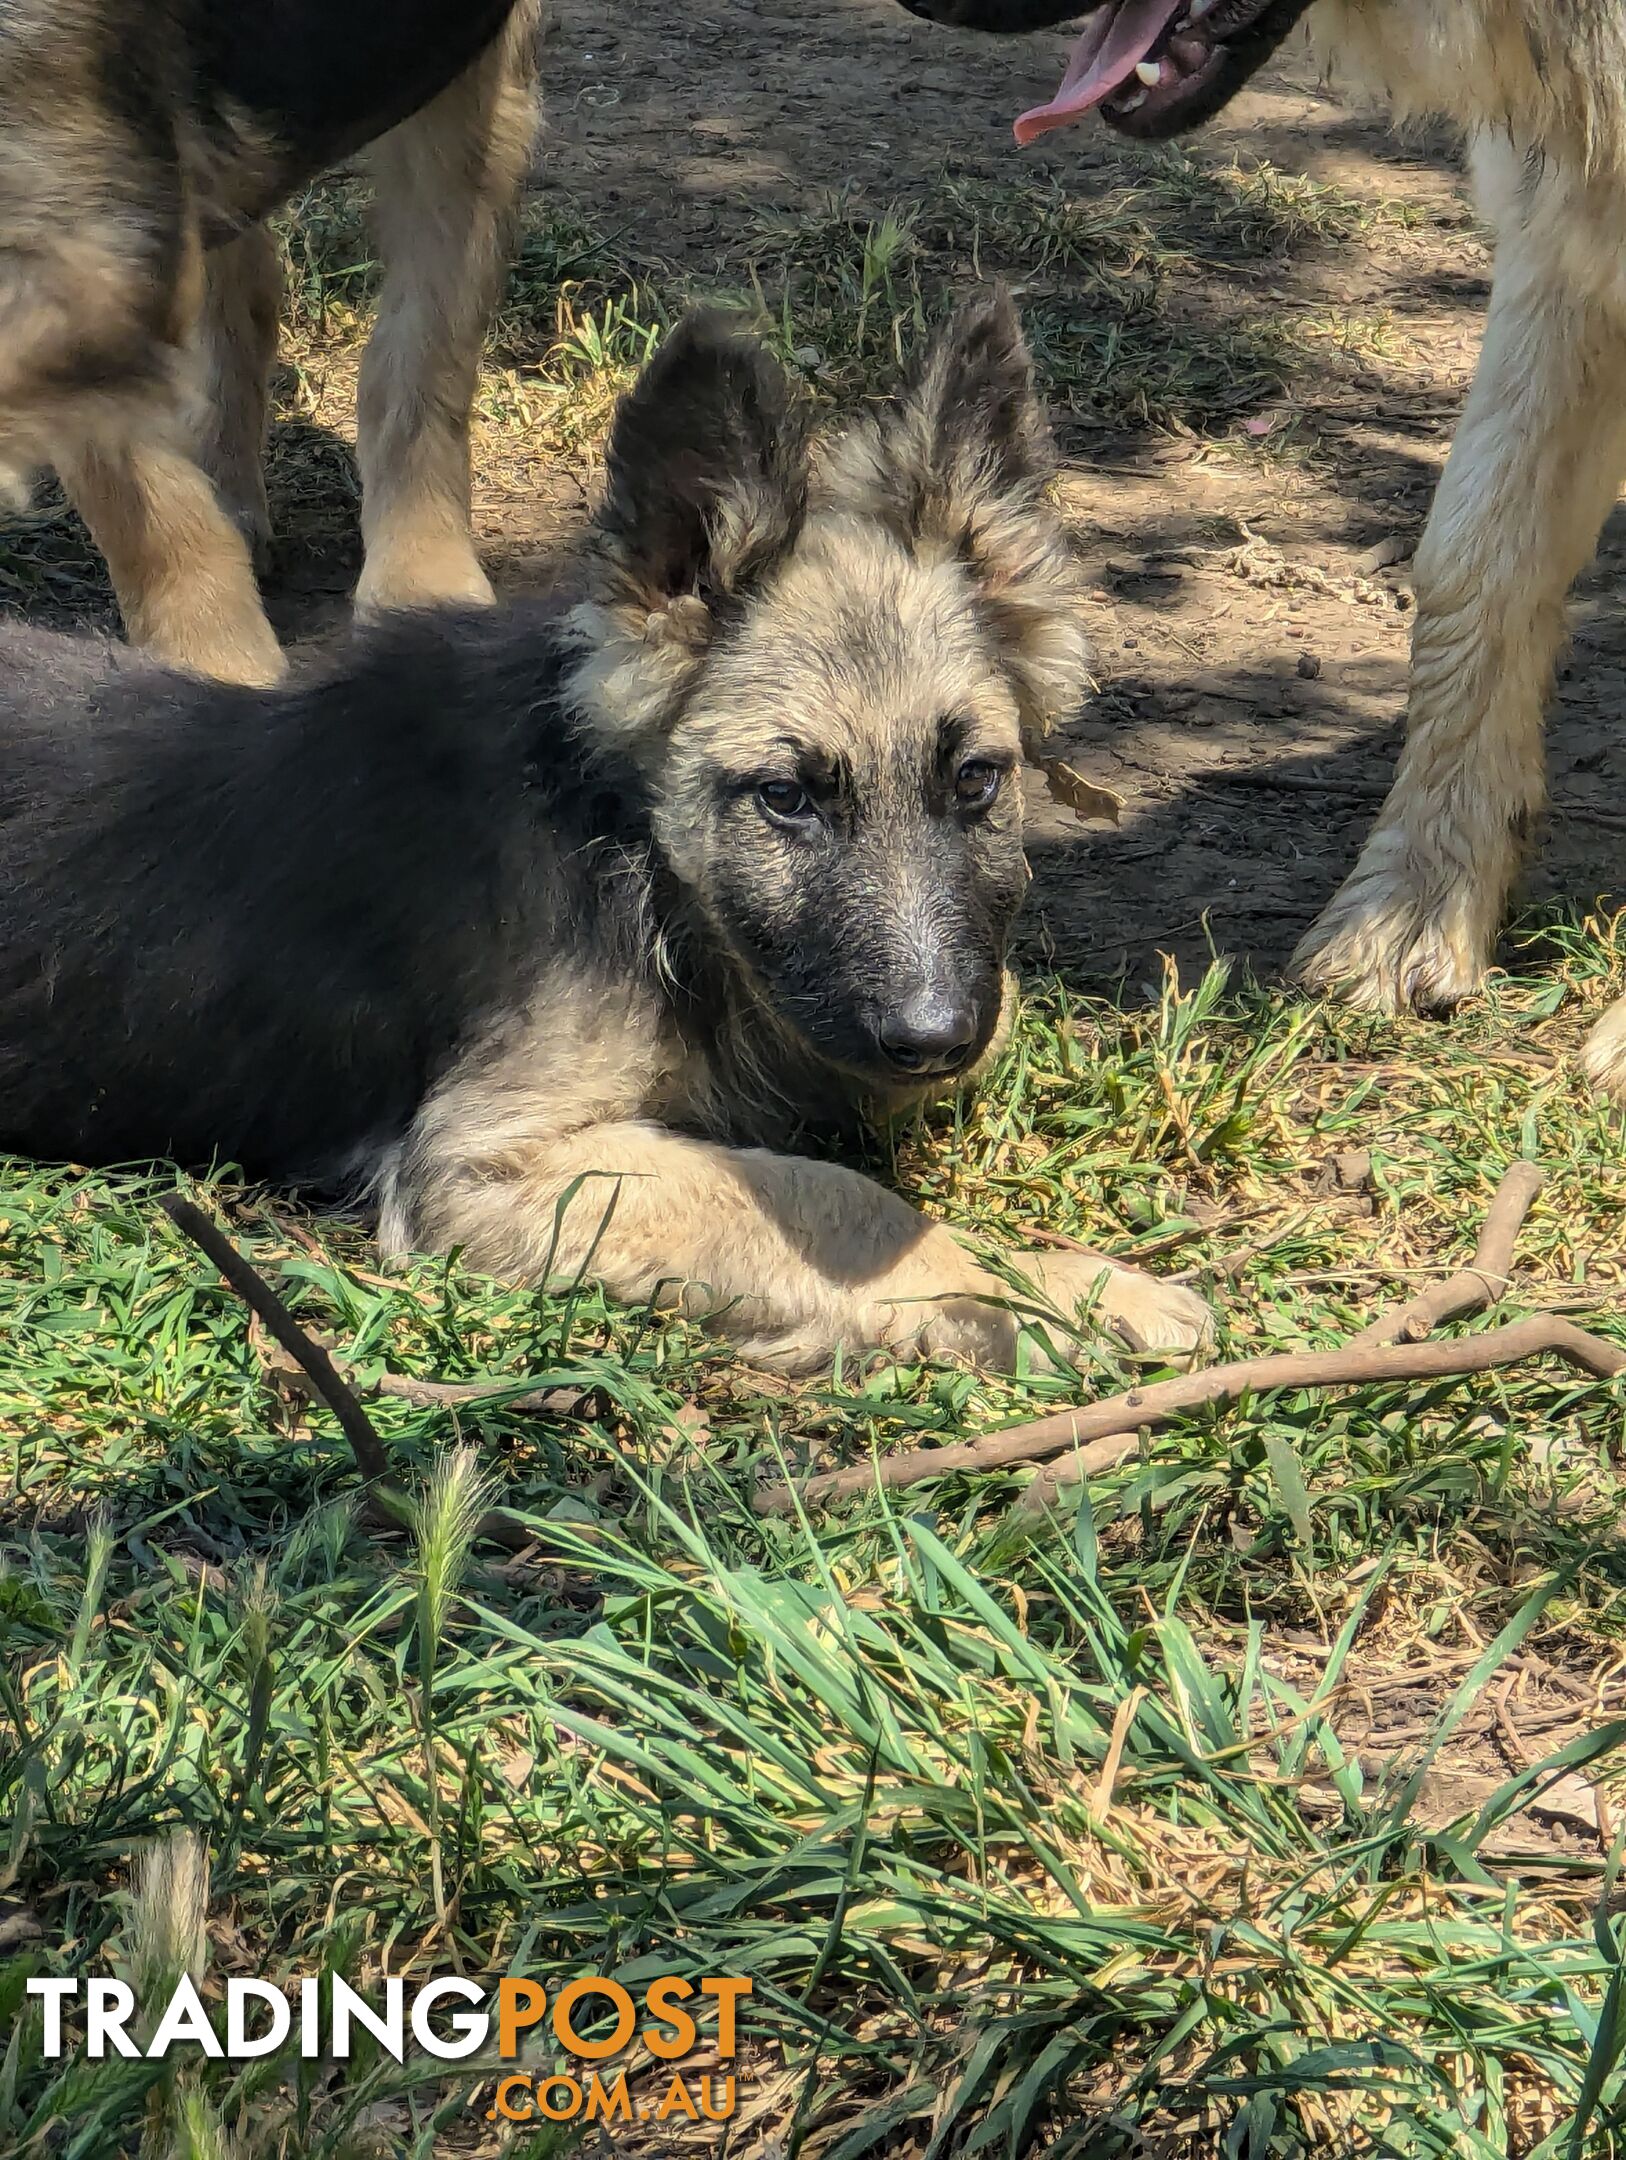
x: 553, y: 930
x: 142, y: 145
x: 1540, y: 88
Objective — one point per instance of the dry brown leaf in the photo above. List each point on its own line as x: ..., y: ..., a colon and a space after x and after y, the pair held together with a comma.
x: 1085, y: 798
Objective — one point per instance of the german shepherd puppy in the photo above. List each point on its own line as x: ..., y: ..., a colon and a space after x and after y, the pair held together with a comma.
x: 1540, y: 90
x: 554, y: 932
x: 142, y: 146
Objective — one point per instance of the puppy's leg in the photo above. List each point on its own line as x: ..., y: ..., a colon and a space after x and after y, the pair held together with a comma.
x: 180, y: 567
x: 794, y: 1259
x: 447, y: 182
x: 237, y: 347
x: 1531, y: 476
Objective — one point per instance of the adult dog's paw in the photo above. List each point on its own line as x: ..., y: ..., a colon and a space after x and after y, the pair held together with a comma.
x: 1384, y: 944
x: 1603, y: 1055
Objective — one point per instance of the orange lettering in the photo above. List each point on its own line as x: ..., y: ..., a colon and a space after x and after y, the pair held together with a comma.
x: 662, y: 2000
x: 728, y: 1994
x: 520, y: 2004
x: 626, y: 2017
x: 505, y: 2104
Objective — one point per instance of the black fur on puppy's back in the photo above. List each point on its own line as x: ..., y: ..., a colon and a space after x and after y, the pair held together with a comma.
x: 254, y: 926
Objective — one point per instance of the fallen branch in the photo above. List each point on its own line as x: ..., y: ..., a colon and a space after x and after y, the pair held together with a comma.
x: 1483, y: 1281
x: 387, y: 1507
x: 1356, y: 1365
x: 312, y: 1360
x: 1102, y: 1433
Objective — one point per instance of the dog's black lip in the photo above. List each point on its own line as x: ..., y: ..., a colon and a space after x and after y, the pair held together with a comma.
x: 1244, y: 33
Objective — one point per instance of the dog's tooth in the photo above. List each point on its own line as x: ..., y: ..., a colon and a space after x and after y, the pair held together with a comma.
x: 1198, y: 9
x: 1150, y: 72
x: 1129, y: 104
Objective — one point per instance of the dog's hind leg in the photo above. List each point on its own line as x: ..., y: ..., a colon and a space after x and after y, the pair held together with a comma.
x: 447, y: 182
x: 796, y: 1260
x: 237, y: 347
x: 1603, y: 1056
x: 1532, y: 474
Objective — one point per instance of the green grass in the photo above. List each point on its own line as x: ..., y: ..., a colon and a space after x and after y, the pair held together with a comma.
x: 860, y: 1759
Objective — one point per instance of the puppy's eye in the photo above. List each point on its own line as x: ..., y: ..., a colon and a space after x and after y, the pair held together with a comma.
x: 977, y: 783
x: 786, y: 802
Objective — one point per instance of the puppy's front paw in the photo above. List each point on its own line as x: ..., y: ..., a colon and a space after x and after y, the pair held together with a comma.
x: 1153, y: 1316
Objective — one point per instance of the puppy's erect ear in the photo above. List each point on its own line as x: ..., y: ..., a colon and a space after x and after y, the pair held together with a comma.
x: 707, y: 479
x: 958, y: 466
x: 968, y: 430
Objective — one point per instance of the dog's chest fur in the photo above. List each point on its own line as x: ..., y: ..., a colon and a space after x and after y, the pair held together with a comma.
x: 1553, y: 78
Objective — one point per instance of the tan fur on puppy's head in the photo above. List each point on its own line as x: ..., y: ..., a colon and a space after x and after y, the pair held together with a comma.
x: 826, y: 664
x: 714, y: 483
x: 958, y: 468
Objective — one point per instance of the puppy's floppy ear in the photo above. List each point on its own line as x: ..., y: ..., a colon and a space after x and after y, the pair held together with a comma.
x: 958, y: 467
x: 707, y: 478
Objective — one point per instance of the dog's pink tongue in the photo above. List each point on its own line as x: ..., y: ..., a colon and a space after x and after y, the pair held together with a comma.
x: 1103, y: 60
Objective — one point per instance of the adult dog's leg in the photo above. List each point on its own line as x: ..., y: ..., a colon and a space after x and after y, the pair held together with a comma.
x: 447, y: 182
x: 794, y: 1259
x: 101, y: 289
x: 181, y: 569
x: 1532, y: 474
x: 237, y: 347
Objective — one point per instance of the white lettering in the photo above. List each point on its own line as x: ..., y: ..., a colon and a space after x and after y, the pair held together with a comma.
x: 185, y: 2019
x: 53, y: 1994
x: 108, y: 2005
x: 239, y: 1994
x: 386, y: 2030
x: 470, y: 2028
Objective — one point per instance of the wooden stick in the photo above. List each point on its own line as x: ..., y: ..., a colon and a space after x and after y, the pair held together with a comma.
x: 1104, y: 1432
x: 312, y: 1360
x: 1483, y: 1281
x: 387, y: 1506
x: 1359, y: 1366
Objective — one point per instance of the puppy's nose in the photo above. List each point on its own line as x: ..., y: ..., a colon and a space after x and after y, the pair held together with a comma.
x: 930, y: 1033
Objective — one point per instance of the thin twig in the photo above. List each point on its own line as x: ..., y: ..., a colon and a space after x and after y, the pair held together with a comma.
x: 387, y: 1506
x: 312, y: 1360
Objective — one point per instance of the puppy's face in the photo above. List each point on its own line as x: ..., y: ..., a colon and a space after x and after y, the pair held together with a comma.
x: 1151, y: 68
x: 844, y: 800
x: 833, y: 739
